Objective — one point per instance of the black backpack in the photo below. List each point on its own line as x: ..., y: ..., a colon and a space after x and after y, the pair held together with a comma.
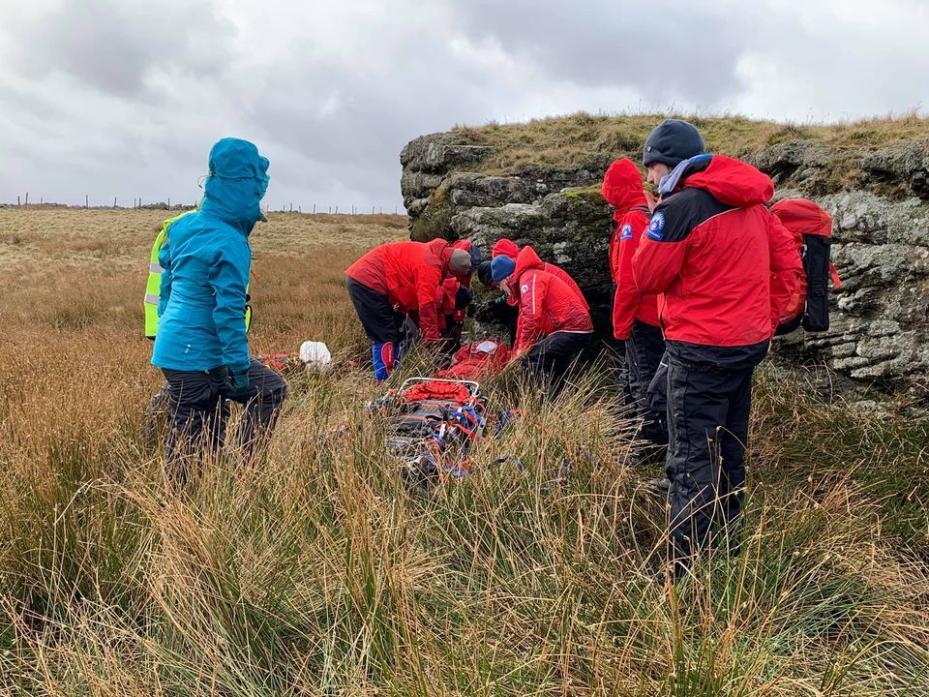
x: 811, y: 227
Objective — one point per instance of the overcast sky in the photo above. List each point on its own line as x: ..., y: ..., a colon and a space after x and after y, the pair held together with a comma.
x: 124, y: 97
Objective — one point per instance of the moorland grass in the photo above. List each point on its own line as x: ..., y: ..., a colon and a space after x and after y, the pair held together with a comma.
x: 315, y: 571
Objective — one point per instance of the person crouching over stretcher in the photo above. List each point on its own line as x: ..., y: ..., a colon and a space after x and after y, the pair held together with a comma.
x: 554, y: 325
x: 396, y: 280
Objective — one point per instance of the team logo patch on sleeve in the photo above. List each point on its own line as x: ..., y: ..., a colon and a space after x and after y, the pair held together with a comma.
x: 626, y: 232
x: 656, y: 227
x: 524, y: 289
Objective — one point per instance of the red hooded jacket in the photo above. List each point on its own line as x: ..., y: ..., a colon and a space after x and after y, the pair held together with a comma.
x: 546, y: 303
x: 509, y: 248
x: 725, y: 263
x: 409, y: 274
x: 446, y: 298
x: 622, y: 189
x: 504, y: 247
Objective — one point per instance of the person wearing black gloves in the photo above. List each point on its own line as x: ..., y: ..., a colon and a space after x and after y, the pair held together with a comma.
x: 201, y: 345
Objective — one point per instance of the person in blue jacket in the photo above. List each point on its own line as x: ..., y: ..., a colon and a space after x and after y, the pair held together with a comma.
x: 201, y: 345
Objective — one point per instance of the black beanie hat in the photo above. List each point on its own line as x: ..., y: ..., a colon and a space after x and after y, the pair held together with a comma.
x: 672, y: 142
x: 485, y: 273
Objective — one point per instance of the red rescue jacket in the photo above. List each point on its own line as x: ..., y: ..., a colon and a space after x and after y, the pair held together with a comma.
x: 509, y: 248
x: 504, y: 247
x: 409, y: 274
x: 622, y: 189
x: 803, y: 217
x: 546, y: 303
x: 727, y: 266
x: 446, y: 297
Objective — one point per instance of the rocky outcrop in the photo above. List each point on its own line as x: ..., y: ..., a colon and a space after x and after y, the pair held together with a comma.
x: 878, y: 197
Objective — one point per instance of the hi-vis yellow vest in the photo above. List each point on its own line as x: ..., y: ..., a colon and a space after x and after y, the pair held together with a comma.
x: 153, y: 286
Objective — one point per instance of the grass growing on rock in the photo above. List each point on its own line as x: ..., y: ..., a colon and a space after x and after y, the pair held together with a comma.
x: 315, y: 571
x: 570, y: 142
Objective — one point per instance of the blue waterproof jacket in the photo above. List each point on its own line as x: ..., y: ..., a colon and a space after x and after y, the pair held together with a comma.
x: 206, y: 261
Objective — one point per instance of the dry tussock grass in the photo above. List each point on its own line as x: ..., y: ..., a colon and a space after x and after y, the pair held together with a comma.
x: 571, y: 141
x: 315, y: 571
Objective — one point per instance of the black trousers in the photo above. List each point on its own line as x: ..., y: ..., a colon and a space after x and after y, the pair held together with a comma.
x: 380, y: 321
x: 551, y: 359
x: 644, y: 350
x: 708, y: 412
x: 199, y: 412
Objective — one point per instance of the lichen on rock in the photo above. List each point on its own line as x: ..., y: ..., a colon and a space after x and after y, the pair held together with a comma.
x: 878, y: 195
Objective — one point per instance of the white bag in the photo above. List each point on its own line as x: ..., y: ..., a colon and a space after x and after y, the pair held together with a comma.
x: 315, y: 354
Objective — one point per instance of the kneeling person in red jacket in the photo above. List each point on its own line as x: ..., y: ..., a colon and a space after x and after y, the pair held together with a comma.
x: 554, y: 326
x: 507, y: 248
x: 715, y: 251
x: 398, y: 279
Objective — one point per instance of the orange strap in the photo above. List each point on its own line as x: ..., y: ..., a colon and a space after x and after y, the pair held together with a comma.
x: 833, y: 272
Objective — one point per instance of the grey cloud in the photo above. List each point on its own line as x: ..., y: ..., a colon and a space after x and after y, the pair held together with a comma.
x: 357, y: 146
x: 664, y: 49
x: 113, y: 45
x: 125, y: 98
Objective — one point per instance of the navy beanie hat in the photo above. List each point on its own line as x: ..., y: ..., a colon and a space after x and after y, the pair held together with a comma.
x: 484, y: 273
x: 463, y: 298
x: 672, y: 142
x: 502, y: 267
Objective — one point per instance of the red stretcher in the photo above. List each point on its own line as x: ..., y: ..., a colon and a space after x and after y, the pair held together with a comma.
x: 434, y: 421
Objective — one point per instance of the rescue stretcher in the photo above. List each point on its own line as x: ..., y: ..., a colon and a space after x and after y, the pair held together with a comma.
x: 434, y: 421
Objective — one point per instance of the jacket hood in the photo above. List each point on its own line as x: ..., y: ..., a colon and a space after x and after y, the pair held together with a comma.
x: 803, y: 217
x: 236, y: 184
x: 505, y: 247
x: 622, y: 186
x: 442, y: 251
x: 526, y: 261
x: 731, y: 182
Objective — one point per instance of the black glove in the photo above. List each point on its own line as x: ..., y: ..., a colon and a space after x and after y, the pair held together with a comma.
x: 238, y: 386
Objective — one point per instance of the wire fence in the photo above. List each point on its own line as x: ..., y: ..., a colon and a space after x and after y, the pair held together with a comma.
x: 23, y: 201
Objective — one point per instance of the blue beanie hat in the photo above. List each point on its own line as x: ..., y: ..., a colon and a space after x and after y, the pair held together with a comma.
x: 502, y: 267
x: 672, y: 142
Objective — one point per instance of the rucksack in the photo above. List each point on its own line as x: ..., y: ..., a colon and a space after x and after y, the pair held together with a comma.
x: 811, y: 227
